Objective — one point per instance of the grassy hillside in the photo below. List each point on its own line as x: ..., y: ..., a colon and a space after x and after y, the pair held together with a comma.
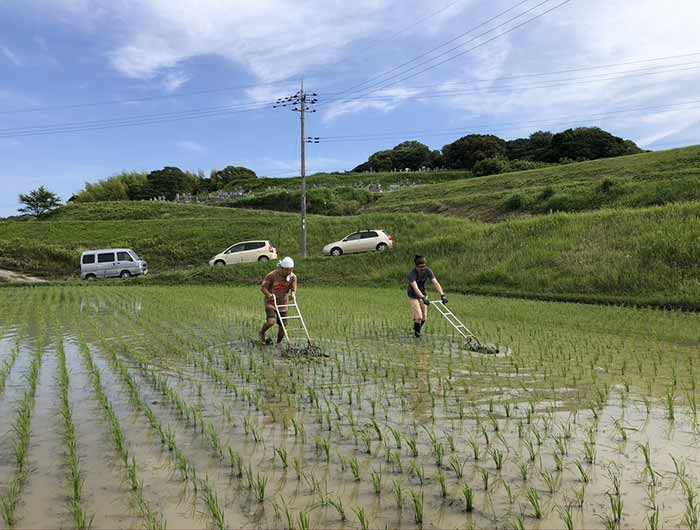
x: 642, y: 256
x: 636, y: 181
x: 649, y: 179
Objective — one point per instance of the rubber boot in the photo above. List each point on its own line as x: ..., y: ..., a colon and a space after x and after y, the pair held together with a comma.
x: 416, y: 329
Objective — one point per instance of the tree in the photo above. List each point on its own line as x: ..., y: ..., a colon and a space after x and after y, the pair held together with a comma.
x: 412, y: 155
x: 468, y: 150
x: 231, y: 175
x: 588, y: 143
x: 168, y: 182
x: 39, y: 201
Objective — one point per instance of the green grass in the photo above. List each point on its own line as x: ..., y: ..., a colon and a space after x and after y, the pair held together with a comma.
x: 635, y: 181
x: 642, y: 256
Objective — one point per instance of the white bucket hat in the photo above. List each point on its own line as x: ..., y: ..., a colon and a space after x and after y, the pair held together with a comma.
x: 286, y: 263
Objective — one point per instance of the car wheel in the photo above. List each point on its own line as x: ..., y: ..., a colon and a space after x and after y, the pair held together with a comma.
x: 263, y: 259
x: 125, y: 275
x: 90, y: 277
x: 336, y: 251
x: 381, y: 247
x: 219, y: 263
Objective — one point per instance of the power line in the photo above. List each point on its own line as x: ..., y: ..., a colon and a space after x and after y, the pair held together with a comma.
x: 129, y: 122
x: 470, y: 30
x: 388, y: 135
x: 383, y: 84
x: 146, y: 98
x: 511, y: 88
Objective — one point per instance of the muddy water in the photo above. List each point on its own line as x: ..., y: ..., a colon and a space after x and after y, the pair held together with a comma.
x: 105, y: 495
x: 45, y: 496
x: 539, y: 399
x: 162, y: 489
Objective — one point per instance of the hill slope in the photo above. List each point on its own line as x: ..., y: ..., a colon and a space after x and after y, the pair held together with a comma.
x: 648, y: 179
x: 643, y: 256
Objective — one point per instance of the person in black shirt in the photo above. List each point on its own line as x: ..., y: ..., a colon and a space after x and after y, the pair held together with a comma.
x: 418, y: 292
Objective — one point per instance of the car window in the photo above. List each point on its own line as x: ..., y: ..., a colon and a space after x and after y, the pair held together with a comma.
x: 134, y: 255
x: 236, y: 248
x: 107, y: 257
x: 353, y: 237
x: 123, y: 256
x: 254, y: 245
x: 88, y: 258
x: 368, y: 235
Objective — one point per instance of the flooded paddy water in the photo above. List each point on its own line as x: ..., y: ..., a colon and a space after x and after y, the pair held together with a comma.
x: 133, y: 407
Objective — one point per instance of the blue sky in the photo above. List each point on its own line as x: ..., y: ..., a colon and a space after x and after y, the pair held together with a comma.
x: 631, y: 67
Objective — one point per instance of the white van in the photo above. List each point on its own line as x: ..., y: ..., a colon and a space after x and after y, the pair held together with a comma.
x: 111, y: 263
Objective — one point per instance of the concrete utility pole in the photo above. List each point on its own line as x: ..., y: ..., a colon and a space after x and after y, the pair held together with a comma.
x: 300, y: 103
x: 302, y: 113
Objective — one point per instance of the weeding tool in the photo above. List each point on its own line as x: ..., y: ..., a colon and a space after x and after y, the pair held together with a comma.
x: 296, y: 317
x: 471, y: 341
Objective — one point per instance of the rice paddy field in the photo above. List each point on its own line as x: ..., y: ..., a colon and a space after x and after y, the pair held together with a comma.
x: 154, y: 407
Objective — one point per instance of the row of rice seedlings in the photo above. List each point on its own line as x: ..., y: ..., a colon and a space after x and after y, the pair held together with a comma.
x: 179, y: 461
x: 153, y: 520
x: 600, y: 399
x: 81, y: 519
x: 6, y: 366
x: 21, y: 429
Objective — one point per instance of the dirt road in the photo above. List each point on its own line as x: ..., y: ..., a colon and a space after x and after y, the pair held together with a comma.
x: 16, y: 277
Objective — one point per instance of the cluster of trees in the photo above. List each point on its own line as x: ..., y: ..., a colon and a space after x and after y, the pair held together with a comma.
x: 486, y: 152
x: 167, y: 182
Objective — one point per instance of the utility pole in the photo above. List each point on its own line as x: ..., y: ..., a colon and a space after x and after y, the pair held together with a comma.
x: 300, y: 103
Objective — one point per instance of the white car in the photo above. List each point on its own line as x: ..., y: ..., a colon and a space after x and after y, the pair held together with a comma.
x: 362, y: 241
x: 245, y: 252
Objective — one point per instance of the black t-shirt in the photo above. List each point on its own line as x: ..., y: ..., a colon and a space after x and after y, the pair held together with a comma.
x: 420, y: 277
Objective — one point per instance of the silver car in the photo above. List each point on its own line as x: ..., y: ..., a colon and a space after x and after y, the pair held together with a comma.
x: 362, y: 241
x: 111, y: 263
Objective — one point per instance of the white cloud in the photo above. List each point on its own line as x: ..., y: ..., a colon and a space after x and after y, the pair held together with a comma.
x: 387, y: 100
x: 10, y: 56
x: 191, y: 145
x: 174, y: 80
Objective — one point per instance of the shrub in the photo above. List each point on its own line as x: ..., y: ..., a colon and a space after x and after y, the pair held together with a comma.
x: 490, y: 166
x: 514, y: 202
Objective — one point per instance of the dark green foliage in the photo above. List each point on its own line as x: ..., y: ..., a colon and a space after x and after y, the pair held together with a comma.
x: 168, y: 182
x: 490, y: 166
x: 231, y: 177
x: 534, y: 148
x: 39, y: 201
x: 468, y: 150
x: 324, y: 201
x: 514, y: 202
x: 588, y: 143
x: 407, y: 155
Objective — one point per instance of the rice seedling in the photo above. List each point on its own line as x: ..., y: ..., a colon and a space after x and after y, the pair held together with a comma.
x: 497, y: 456
x: 282, y: 454
x: 524, y: 468
x: 418, y: 471
x: 355, y: 468
x: 457, y: 466
x: 550, y: 481
x: 534, y: 499
x: 567, y: 516
x: 304, y: 520
x: 411, y: 443
x: 484, y: 478
x: 361, y: 518
x: 260, y: 487
x: 417, y: 500
x: 468, y: 494
x: 338, y: 505
x: 397, y: 489
x: 377, y: 481
x: 440, y: 477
